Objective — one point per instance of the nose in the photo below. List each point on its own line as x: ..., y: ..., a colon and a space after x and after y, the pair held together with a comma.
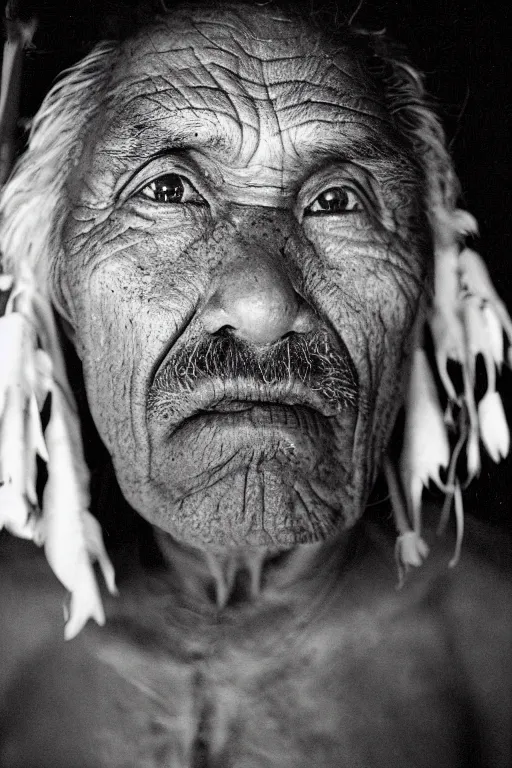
x: 257, y: 302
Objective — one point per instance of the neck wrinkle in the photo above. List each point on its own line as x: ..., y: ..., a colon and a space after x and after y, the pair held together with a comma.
x: 248, y: 577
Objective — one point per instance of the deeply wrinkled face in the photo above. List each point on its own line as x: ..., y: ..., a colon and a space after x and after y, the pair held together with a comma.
x: 243, y: 262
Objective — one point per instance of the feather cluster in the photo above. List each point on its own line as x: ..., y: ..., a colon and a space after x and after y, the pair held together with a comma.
x: 31, y: 375
x: 466, y: 319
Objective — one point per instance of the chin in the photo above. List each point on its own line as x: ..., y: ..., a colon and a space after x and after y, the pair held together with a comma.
x: 268, y: 487
x: 255, y: 511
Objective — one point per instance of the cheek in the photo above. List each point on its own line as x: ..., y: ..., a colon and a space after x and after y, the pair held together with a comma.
x: 131, y: 296
x: 370, y: 289
x: 372, y: 293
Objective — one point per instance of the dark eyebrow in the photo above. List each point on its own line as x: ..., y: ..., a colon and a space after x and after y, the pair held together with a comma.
x: 147, y: 140
x: 385, y: 153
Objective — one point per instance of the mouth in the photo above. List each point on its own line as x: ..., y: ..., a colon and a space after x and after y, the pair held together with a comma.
x: 224, y: 376
x: 234, y: 406
x: 233, y: 400
x: 238, y: 456
x: 259, y: 414
x: 232, y: 436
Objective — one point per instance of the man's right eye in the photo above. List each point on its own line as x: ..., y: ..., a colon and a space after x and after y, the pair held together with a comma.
x: 172, y: 188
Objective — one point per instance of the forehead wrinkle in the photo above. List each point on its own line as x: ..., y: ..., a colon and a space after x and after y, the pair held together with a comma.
x: 222, y: 91
x: 242, y: 36
x: 312, y: 139
x: 157, y: 98
x: 208, y: 104
x: 303, y: 80
x: 323, y: 111
x: 244, y: 25
x: 205, y: 92
x: 201, y: 128
x: 128, y: 151
x: 261, y: 79
x: 329, y: 90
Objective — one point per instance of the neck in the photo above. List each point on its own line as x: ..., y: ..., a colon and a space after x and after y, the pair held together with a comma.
x: 249, y: 575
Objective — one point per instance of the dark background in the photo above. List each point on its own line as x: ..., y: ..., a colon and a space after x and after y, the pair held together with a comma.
x: 462, y: 47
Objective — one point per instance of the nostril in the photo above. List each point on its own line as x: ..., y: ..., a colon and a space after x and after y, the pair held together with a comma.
x: 225, y: 331
x: 255, y: 300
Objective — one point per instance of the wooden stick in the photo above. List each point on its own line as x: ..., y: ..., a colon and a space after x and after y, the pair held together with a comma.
x: 19, y: 36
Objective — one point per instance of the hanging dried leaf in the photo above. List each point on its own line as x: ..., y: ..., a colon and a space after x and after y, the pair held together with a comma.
x: 426, y: 448
x: 63, y: 534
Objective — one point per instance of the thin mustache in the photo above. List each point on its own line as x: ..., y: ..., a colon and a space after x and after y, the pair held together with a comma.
x: 311, y: 360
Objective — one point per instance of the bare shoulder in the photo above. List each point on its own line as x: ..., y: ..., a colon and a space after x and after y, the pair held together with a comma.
x: 478, y: 608
x: 463, y: 617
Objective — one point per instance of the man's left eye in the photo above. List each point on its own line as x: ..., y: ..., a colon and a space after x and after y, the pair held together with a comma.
x: 172, y: 188
x: 334, y: 200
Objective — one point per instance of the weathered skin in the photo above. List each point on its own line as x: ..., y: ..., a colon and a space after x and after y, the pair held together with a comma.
x: 234, y: 655
x: 261, y: 117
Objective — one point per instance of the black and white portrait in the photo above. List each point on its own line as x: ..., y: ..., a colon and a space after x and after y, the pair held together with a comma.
x: 255, y: 385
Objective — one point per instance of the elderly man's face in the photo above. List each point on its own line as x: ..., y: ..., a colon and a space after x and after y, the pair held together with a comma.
x: 244, y: 261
